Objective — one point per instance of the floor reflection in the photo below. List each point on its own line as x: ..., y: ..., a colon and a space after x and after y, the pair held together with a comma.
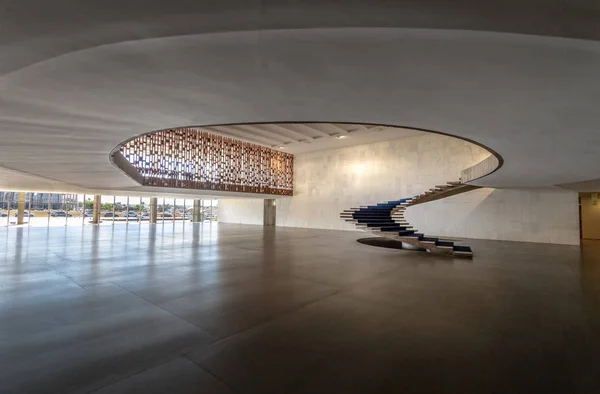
x: 231, y: 308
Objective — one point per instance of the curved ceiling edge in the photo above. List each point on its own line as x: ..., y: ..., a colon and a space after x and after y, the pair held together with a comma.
x: 98, y: 24
x: 476, y: 172
x: 555, y: 38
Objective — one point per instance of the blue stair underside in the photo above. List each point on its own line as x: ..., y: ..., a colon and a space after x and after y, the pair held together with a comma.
x: 380, y: 217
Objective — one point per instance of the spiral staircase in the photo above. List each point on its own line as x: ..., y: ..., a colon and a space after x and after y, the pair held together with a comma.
x: 387, y: 219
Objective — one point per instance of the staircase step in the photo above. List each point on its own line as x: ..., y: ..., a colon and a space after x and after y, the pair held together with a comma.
x: 461, y: 248
x: 370, y: 214
x: 391, y: 229
x: 395, y: 228
x: 413, y: 235
x: 462, y: 251
x: 406, y: 232
x: 444, y: 244
x: 429, y: 240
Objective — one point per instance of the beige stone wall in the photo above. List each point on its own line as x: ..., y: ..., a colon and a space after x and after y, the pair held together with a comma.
x: 241, y: 211
x: 590, y: 217
x: 502, y: 214
x: 329, y: 181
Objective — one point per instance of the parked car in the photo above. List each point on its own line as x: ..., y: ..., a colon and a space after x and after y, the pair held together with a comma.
x: 88, y: 214
x: 167, y: 215
x: 110, y: 215
x: 25, y: 214
x: 3, y: 214
x: 130, y: 214
x: 61, y: 214
x: 145, y: 215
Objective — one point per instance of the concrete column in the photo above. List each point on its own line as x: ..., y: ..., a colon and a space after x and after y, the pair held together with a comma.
x: 21, y: 208
x: 96, y: 209
x: 269, y: 213
x: 153, y: 209
x: 197, y: 216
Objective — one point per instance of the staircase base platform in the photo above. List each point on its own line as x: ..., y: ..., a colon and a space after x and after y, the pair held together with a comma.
x: 384, y: 242
x: 381, y: 242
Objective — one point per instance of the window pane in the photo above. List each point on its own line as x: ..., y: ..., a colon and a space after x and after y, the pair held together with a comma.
x: 5, y: 205
x: 189, y: 209
x: 56, y: 205
x: 120, y: 210
x: 145, y: 210
x: 106, y: 210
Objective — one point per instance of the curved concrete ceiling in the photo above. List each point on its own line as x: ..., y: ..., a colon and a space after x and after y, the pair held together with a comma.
x: 310, y: 137
x: 35, y: 30
x: 532, y: 99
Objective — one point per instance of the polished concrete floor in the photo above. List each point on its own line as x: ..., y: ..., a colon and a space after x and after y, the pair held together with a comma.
x: 241, y: 309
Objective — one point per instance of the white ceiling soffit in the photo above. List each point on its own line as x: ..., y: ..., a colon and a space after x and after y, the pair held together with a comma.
x: 309, y: 137
x: 78, y: 80
x: 32, y: 31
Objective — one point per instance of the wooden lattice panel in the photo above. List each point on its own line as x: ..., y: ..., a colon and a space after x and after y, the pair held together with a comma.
x: 195, y: 159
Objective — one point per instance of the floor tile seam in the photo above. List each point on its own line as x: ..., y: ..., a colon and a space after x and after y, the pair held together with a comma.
x: 123, y: 284
x: 318, y: 282
x: 212, y: 335
x: 383, y: 305
x: 61, y: 257
x: 275, y: 317
x: 390, y: 306
x: 276, y: 274
x: 206, y: 289
x: 63, y: 275
x: 359, y: 282
x: 213, y: 286
x: 73, y: 278
x: 291, y: 387
x: 156, y: 364
x: 208, y: 371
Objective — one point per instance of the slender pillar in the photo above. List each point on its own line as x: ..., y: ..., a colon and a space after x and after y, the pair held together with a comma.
x: 21, y: 208
x: 153, y: 209
x: 197, y: 215
x: 96, y: 209
x: 269, y: 213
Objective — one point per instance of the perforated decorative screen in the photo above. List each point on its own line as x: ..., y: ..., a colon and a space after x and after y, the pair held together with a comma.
x: 195, y: 159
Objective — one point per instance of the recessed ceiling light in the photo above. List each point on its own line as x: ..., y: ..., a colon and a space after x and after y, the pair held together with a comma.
x: 281, y: 147
x: 339, y: 137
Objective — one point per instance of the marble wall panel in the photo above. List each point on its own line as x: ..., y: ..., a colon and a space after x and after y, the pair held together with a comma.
x: 329, y: 181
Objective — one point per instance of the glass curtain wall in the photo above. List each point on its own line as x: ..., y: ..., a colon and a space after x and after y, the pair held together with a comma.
x: 188, y: 210
x: 210, y: 210
x: 59, y: 209
x: 5, y: 208
x: 215, y: 209
x: 144, y: 210
x: 107, y: 209
x: 122, y: 211
x: 166, y: 210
